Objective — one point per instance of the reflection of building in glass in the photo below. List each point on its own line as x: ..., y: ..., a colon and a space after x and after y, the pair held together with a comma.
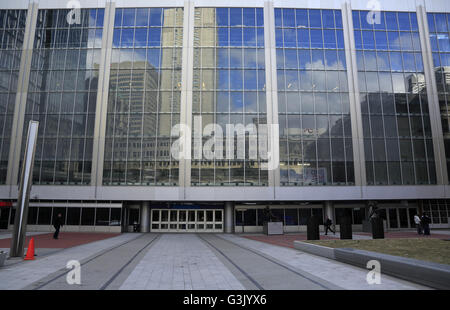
x: 416, y: 83
x: 12, y: 31
x: 226, y: 62
x: 396, y: 123
x: 313, y: 103
x: 229, y: 87
x: 144, y: 97
x: 62, y: 95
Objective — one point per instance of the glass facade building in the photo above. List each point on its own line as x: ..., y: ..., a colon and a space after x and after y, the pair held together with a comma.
x: 144, y: 97
x: 12, y: 32
x: 228, y: 88
x: 439, y: 28
x: 313, y: 102
x: 62, y: 95
x: 394, y: 106
x: 359, y: 101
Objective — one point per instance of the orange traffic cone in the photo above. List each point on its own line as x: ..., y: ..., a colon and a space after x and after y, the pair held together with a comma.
x: 30, y: 250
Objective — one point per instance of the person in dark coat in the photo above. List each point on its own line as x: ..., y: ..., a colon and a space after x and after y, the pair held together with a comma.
x: 425, y: 220
x: 327, y: 224
x: 57, y: 224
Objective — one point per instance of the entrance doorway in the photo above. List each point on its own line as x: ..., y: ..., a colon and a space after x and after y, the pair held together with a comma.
x: 194, y: 220
x: 4, y: 218
x: 399, y: 218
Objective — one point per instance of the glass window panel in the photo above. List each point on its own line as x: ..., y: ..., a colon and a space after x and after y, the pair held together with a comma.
x: 128, y: 17
x: 391, y: 21
x: 318, y: 59
x: 381, y: 40
x: 140, y: 37
x: 315, y: 18
x: 329, y: 39
x: 383, y: 61
x: 372, y: 82
x: 331, y: 60
x: 222, y: 16
x: 302, y: 18
x: 441, y: 22
x: 249, y: 37
x: 154, y: 37
x: 288, y: 18
x: 236, y: 17
x: 403, y: 21
x: 396, y: 61
x: 370, y: 61
x: 155, y: 16
x: 303, y: 38
x: 393, y: 40
x: 235, y: 36
x: 289, y: 37
x: 405, y: 41
x: 142, y: 17
x: 368, y: 39
x: 316, y: 38
x: 249, y: 17
x: 380, y: 24
x: 365, y: 17
x: 328, y: 19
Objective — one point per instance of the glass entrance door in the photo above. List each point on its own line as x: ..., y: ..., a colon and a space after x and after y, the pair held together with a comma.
x: 201, y: 220
x: 401, y: 218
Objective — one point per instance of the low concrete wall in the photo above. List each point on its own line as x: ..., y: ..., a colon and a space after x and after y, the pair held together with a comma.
x: 315, y: 249
x: 426, y: 273
x: 422, y: 272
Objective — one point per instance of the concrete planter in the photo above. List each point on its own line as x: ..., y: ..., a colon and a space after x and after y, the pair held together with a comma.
x: 2, y: 258
x: 273, y: 228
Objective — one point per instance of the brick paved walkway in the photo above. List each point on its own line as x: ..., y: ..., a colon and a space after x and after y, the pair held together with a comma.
x: 66, y: 239
x: 409, y: 234
x: 287, y: 240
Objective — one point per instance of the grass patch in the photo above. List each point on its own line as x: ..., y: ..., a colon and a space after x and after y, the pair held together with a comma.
x: 432, y: 250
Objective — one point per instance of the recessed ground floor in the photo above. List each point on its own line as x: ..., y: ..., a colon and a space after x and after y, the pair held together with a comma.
x: 218, y: 217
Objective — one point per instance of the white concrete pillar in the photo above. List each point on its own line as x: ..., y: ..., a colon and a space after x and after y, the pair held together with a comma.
x: 18, y: 119
x: 145, y: 216
x: 271, y: 91
x: 432, y: 96
x: 359, y: 163
x: 228, y: 218
x: 98, y: 147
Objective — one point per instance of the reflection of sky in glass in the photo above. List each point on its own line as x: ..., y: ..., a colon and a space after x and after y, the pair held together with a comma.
x: 392, y: 86
x: 229, y: 81
x: 439, y: 28
x: 312, y: 86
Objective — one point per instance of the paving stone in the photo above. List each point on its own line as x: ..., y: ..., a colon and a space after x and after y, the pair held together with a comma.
x: 176, y: 259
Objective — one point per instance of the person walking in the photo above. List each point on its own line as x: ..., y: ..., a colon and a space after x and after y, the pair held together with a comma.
x: 418, y: 224
x: 328, y: 223
x: 425, y: 221
x: 57, y: 224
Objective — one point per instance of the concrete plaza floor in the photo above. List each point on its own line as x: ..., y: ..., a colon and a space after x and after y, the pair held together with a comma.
x: 188, y: 262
